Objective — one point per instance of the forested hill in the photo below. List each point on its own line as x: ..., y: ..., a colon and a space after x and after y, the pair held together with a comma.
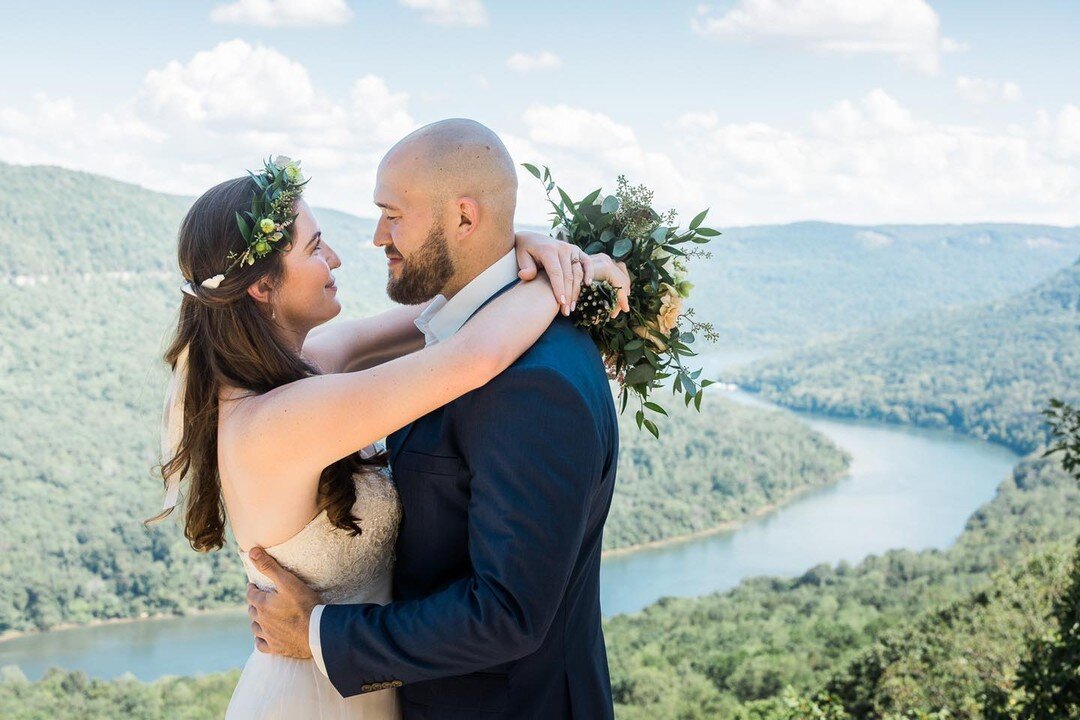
x: 782, y: 285
x: 984, y: 370
x: 765, y: 286
x: 88, y: 296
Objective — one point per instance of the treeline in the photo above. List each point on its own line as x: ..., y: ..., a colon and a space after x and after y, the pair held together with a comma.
x: 737, y: 654
x: 984, y: 371
x: 944, y: 622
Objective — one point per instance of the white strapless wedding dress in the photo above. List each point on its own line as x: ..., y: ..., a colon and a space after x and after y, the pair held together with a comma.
x: 342, y: 568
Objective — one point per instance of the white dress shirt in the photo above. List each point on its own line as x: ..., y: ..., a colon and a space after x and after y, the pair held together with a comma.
x: 438, y: 322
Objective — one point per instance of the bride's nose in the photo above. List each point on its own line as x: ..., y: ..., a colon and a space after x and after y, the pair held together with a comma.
x: 334, y: 260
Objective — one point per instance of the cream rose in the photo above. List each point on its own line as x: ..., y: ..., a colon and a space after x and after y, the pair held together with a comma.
x: 670, y: 309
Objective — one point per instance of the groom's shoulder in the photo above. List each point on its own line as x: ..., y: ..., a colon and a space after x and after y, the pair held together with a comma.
x: 563, y: 355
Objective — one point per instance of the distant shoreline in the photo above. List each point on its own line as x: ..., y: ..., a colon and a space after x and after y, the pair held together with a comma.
x: 726, y: 526
x: 15, y: 634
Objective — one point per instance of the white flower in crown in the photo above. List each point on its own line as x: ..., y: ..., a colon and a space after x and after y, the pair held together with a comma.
x: 213, y: 282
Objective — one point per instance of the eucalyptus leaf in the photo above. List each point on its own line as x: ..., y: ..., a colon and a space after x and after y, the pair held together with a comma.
x: 610, y: 205
x: 698, y: 219
x: 639, y: 374
x: 622, y: 248
x: 656, y: 408
x: 651, y: 427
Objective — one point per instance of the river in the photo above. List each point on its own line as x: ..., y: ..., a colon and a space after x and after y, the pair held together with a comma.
x: 907, y: 488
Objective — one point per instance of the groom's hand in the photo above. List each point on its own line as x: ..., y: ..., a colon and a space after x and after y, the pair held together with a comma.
x: 279, y: 620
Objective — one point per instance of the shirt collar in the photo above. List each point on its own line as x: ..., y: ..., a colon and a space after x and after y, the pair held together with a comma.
x: 442, y: 318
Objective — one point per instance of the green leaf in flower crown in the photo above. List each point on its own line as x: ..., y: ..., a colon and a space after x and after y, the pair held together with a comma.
x: 622, y: 248
x: 707, y: 232
x: 245, y: 230
x: 610, y: 205
x: 698, y: 219
x: 639, y: 374
x: 532, y: 169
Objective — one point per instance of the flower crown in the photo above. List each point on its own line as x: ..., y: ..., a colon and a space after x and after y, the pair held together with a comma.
x: 267, y: 223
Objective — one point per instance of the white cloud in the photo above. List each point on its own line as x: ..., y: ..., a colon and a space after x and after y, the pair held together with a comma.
x: 524, y: 62
x: 905, y: 29
x: 873, y: 161
x: 283, y: 13
x: 978, y: 90
x: 460, y: 13
x: 586, y: 150
x: 194, y: 123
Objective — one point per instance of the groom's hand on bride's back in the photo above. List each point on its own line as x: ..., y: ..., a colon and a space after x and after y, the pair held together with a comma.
x: 279, y: 619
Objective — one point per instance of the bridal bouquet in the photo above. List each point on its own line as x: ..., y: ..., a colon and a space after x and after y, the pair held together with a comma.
x: 644, y: 348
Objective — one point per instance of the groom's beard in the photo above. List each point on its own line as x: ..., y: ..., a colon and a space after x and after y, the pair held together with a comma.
x: 425, y: 272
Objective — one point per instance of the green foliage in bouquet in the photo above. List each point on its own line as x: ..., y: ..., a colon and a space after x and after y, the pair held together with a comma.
x: 645, y: 347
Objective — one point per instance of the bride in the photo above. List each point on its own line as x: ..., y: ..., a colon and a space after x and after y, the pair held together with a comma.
x: 265, y: 418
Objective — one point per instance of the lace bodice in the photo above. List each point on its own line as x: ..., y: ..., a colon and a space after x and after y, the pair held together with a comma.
x: 341, y: 567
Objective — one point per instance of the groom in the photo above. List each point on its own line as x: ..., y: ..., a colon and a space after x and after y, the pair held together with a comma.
x: 505, y: 491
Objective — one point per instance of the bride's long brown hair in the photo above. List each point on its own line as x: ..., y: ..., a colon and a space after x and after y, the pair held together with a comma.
x: 231, y: 341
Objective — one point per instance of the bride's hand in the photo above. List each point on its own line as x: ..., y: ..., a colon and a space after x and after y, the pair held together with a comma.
x: 557, y: 259
x: 615, y: 273
x: 566, y: 276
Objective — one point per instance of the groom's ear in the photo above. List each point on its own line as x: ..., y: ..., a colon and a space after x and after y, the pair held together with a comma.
x: 260, y: 290
x: 468, y: 217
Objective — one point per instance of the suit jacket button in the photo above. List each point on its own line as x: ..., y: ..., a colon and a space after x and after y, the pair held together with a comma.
x: 396, y: 683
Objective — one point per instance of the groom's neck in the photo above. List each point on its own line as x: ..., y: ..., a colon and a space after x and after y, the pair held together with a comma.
x: 475, y: 262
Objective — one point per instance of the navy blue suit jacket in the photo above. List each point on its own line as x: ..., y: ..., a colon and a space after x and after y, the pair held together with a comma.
x: 497, y: 584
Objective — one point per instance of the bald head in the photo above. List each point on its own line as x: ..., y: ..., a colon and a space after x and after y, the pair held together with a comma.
x: 457, y: 158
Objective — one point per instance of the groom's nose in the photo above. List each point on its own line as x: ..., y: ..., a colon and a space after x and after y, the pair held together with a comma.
x: 381, y: 237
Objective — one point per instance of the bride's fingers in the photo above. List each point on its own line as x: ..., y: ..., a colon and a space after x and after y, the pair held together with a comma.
x: 261, y: 645
x: 579, y: 275
x: 252, y: 612
x: 565, y: 255
x: 256, y: 630
x: 587, y: 267
x: 526, y: 264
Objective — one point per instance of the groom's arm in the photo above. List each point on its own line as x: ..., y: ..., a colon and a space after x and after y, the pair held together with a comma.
x: 534, y: 449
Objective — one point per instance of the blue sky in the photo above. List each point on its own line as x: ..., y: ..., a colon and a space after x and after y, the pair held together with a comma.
x: 765, y: 110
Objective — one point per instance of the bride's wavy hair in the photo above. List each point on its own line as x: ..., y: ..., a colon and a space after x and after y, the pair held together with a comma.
x: 232, y: 341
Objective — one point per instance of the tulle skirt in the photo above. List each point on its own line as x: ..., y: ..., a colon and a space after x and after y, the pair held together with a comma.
x: 278, y: 688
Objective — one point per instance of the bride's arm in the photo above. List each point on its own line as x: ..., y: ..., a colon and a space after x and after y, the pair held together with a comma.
x: 308, y: 424
x: 362, y: 343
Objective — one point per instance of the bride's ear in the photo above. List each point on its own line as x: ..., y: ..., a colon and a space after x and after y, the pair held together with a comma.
x: 260, y: 290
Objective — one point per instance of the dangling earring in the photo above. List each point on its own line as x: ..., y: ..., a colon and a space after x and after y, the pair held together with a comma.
x: 273, y: 313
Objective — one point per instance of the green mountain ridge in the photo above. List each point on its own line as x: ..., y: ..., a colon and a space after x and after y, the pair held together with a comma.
x: 986, y: 371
